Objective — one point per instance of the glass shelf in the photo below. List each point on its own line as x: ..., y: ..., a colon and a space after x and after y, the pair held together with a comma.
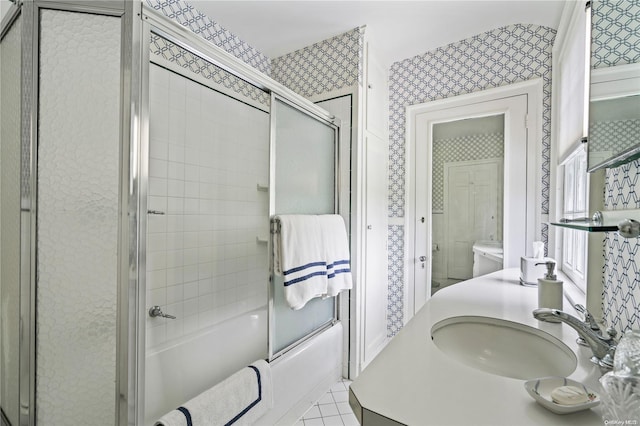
x: 588, y: 226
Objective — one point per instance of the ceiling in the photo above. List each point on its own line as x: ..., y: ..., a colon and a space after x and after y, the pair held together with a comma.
x: 400, y: 29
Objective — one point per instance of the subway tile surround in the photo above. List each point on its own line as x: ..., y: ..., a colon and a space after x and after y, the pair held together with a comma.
x: 205, y: 262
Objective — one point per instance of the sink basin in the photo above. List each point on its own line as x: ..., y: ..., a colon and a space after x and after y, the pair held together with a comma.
x: 503, y: 347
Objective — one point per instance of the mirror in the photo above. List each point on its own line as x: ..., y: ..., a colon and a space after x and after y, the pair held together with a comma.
x: 614, y: 108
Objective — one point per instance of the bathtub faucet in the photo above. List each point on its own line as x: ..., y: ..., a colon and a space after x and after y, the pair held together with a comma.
x: 603, y: 347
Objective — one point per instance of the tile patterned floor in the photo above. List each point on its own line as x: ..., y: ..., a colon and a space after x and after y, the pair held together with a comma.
x: 332, y: 409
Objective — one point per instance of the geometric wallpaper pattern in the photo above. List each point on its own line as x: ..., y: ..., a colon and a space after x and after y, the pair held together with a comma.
x: 621, y: 285
x: 495, y: 58
x: 323, y: 67
x: 616, y: 33
x: 395, y: 299
x: 463, y: 148
x: 616, y: 41
x: 171, y: 52
x: 190, y: 17
x: 614, y: 135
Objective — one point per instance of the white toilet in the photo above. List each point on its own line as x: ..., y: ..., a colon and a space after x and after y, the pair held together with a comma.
x: 488, y: 257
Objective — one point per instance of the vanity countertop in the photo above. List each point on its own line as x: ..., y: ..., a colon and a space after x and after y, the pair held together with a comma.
x: 412, y: 382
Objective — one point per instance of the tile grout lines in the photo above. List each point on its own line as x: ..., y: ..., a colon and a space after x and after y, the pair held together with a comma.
x: 332, y: 409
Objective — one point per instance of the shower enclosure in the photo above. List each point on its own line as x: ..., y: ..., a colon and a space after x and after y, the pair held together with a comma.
x: 140, y: 166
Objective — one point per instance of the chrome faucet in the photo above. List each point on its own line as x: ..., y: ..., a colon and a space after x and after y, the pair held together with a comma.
x: 603, y: 347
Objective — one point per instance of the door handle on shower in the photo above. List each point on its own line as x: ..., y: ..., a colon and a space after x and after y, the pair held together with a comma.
x: 156, y: 311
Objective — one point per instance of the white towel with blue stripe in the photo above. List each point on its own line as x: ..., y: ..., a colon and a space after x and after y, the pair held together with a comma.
x: 299, y: 256
x: 336, y: 246
x: 239, y: 400
x: 311, y: 252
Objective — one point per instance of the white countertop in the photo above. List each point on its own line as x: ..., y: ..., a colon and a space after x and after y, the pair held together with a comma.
x: 412, y: 382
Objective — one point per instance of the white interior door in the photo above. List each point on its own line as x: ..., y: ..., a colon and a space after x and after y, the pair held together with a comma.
x: 471, y: 211
x: 520, y: 176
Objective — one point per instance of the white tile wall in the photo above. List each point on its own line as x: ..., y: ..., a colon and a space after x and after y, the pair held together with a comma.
x: 208, y: 153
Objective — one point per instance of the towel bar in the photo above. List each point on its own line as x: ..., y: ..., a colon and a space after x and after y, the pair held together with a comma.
x: 275, y: 225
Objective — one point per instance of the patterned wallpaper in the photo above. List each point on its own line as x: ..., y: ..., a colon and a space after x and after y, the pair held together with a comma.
x: 395, y: 299
x: 616, y: 33
x: 613, y: 136
x: 465, y: 148
x: 187, y: 15
x: 503, y: 56
x: 616, y: 41
x: 329, y: 65
x: 163, y: 49
x: 621, y: 290
x: 496, y: 58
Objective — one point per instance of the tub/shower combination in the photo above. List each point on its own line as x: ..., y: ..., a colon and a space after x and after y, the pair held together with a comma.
x: 225, y: 155
x: 138, y: 170
x: 178, y: 371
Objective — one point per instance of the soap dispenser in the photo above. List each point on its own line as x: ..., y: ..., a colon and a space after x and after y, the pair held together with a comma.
x: 549, y: 289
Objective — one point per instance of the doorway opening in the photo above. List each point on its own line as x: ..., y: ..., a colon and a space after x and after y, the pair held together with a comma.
x: 467, y: 200
x: 514, y: 216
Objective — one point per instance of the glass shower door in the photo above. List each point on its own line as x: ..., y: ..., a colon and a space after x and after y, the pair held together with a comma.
x: 304, y: 183
x: 10, y: 216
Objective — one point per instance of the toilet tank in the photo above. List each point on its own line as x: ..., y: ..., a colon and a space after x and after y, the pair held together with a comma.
x: 488, y: 257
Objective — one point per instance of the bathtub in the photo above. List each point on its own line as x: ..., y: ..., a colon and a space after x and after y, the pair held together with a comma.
x: 176, y: 373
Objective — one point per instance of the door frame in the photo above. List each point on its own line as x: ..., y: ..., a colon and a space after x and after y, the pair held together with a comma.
x: 498, y: 162
x: 419, y: 121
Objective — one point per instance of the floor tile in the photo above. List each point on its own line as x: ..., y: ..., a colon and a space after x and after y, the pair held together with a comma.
x: 344, y: 408
x: 327, y: 398
x: 331, y: 409
x: 349, y: 420
x: 337, y: 387
x: 332, y: 421
x: 340, y: 396
x: 328, y: 410
x: 312, y: 413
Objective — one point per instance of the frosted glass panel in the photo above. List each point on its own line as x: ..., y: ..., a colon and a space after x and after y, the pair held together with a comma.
x: 207, y: 255
x: 10, y: 219
x: 77, y: 229
x: 305, y: 162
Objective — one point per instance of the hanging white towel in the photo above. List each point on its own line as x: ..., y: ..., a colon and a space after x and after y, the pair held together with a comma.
x: 336, y: 246
x: 300, y: 257
x: 241, y: 399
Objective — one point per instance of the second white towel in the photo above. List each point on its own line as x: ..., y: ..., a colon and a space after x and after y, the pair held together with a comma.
x: 336, y: 246
x: 239, y: 400
x: 311, y: 252
x: 299, y: 257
